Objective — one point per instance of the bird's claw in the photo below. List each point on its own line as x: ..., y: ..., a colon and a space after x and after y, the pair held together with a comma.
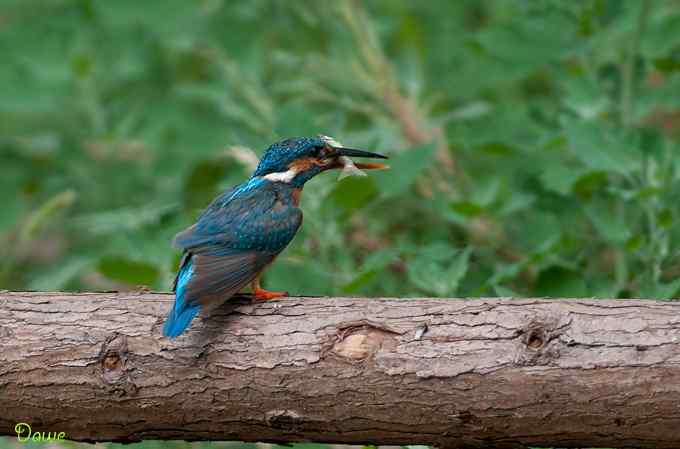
x: 267, y: 295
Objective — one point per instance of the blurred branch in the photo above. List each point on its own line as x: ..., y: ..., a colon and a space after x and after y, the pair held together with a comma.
x: 405, y: 109
x: 630, y: 62
x: 450, y: 373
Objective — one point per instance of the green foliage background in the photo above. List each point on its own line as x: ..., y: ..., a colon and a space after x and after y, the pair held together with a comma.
x: 534, y: 145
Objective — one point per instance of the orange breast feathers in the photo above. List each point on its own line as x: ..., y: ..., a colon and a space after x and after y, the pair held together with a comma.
x: 304, y: 164
x: 296, y: 196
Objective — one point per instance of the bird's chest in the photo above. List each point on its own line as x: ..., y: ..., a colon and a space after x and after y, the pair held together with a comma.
x: 295, y: 195
x: 285, y: 198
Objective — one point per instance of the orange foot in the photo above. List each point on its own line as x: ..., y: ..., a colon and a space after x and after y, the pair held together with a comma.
x: 266, y: 294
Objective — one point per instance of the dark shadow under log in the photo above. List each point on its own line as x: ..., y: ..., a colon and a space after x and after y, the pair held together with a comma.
x: 493, y: 373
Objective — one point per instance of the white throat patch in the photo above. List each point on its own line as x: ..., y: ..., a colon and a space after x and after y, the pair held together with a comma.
x: 329, y: 140
x: 286, y: 176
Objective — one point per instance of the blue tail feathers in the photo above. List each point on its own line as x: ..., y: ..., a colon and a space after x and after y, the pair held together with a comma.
x: 176, y: 323
x: 182, y: 313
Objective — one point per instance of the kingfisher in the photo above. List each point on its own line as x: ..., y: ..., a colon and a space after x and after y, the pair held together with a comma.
x: 243, y: 230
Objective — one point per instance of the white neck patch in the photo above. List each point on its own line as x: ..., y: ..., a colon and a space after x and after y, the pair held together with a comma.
x: 286, y: 176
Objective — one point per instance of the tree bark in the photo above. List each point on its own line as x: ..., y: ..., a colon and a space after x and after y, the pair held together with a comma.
x: 493, y: 373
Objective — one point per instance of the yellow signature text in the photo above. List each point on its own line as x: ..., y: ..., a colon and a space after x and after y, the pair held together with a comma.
x: 25, y: 433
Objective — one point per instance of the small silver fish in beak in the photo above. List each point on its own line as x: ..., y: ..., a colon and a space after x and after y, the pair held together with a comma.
x: 347, y: 165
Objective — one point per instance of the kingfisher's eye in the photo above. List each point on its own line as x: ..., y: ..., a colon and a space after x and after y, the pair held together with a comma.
x: 317, y: 151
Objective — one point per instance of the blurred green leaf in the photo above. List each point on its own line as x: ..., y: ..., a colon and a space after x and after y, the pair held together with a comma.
x: 665, y: 218
x: 360, y: 281
x: 458, y: 269
x: 371, y: 269
x: 560, y: 178
x: 354, y: 192
x: 11, y: 212
x: 57, y: 277
x: 661, y: 290
x: 435, y: 278
x: 611, y: 228
x: 127, y: 219
x: 505, y: 292
x: 519, y: 201
x: 530, y: 42
x: 467, y: 208
x: 437, y: 251
x: 497, y: 148
x: 593, y: 145
x: 294, y: 119
x: 405, y: 167
x: 667, y: 65
x: 129, y: 271
x: 590, y: 183
x: 202, y: 183
x: 559, y: 282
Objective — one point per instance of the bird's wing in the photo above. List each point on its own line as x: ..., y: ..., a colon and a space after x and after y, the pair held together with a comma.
x: 234, y: 240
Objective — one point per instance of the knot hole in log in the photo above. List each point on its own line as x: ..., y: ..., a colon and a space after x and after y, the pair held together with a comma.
x: 537, y: 341
x: 113, y: 365
x: 287, y: 420
x: 535, y: 338
x: 360, y: 342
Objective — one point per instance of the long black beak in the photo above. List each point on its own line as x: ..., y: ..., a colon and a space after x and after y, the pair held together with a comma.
x: 350, y: 152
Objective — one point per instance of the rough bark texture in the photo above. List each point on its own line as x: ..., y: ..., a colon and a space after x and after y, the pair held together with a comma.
x: 485, y: 373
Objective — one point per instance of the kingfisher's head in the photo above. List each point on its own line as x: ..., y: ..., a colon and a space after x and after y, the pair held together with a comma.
x: 298, y: 159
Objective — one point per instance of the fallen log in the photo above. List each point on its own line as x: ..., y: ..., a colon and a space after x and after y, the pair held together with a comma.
x: 493, y: 373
